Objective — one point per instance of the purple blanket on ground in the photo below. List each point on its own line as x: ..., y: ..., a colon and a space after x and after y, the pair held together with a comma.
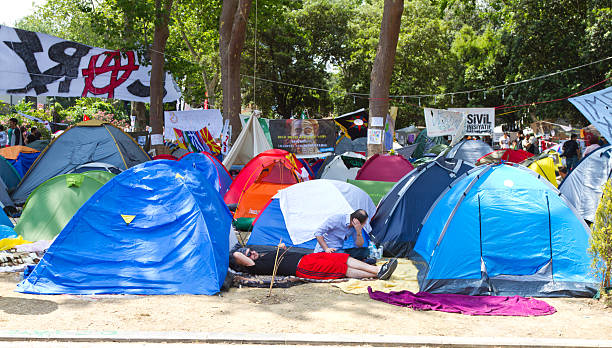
x: 465, y: 304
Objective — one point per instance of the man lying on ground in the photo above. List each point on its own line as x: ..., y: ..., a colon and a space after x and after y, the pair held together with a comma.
x: 312, y: 266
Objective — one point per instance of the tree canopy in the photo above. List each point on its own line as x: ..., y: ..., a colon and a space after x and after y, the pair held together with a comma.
x: 316, y: 56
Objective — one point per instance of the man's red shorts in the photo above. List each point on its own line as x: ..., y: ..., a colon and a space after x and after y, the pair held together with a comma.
x: 322, y: 266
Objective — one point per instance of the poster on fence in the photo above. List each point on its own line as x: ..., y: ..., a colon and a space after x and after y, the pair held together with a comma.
x: 304, y: 138
x: 37, y: 64
x: 479, y: 121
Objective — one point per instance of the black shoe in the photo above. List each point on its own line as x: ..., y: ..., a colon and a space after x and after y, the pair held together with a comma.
x: 387, y: 269
x: 370, y: 261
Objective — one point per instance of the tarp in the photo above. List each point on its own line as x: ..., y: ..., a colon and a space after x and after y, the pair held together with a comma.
x: 12, y: 152
x: 342, y: 167
x: 503, y: 230
x: 52, y: 204
x: 86, y: 142
x: 375, y: 189
x: 211, y: 169
x: 300, y: 209
x: 505, y: 155
x: 583, y: 185
x: 250, y: 143
x: 389, y: 168
x: 347, y: 145
x: 278, y: 166
x: 155, y: 229
x: 469, y: 150
x: 400, y: 214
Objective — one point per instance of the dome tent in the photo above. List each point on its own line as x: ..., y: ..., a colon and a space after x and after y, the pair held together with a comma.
x: 469, y: 150
x: 9, y: 174
x: 297, y: 211
x: 504, y: 230
x: 155, y: 229
x: 342, y: 167
x: 400, y: 214
x: 583, y: 185
x: 275, y: 166
x: 211, y: 168
x: 85, y: 142
x: 389, y: 168
x: 53, y: 203
x: 20, y: 157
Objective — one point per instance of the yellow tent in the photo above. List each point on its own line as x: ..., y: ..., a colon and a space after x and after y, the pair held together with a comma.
x: 547, y: 168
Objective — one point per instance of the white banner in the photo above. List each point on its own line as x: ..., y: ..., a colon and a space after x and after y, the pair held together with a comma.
x: 37, y: 64
x: 193, y: 120
x: 479, y: 121
x: 597, y: 108
x: 443, y: 122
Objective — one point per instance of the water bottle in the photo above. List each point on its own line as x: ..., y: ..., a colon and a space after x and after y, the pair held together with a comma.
x: 379, y: 252
x: 372, y: 250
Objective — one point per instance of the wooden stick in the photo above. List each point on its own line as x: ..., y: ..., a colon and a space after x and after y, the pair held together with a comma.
x: 275, y: 267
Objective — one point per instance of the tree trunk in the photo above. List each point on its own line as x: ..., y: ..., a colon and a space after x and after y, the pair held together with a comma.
x: 160, y: 36
x: 232, y: 33
x: 380, y: 79
x: 140, y: 111
x: 211, y: 84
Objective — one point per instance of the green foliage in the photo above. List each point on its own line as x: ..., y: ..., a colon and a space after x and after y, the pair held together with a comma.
x: 601, y: 238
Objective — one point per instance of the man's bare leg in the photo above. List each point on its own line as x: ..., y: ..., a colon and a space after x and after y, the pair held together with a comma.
x: 359, y: 274
x: 356, y: 264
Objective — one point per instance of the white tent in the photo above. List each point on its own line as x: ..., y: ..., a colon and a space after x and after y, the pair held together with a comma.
x: 306, y: 205
x: 583, y: 186
x: 250, y: 143
x: 336, y: 169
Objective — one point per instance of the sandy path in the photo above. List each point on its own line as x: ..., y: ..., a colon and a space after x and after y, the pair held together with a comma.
x: 308, y: 308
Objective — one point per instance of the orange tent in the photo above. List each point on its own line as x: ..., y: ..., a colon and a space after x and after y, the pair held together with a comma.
x: 272, y: 166
x: 255, y: 199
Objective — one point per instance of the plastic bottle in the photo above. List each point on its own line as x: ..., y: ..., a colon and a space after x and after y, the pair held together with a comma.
x: 372, y: 250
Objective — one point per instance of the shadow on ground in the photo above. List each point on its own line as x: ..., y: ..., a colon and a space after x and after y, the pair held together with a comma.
x: 26, y: 306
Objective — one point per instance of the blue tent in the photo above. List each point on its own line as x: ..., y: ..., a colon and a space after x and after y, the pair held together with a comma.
x: 469, y: 150
x: 8, y: 173
x: 503, y: 230
x: 24, y: 161
x: 155, y: 229
x: 400, y: 213
x: 211, y: 169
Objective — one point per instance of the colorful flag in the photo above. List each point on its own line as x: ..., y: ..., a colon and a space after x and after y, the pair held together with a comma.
x: 354, y: 124
x: 197, y: 141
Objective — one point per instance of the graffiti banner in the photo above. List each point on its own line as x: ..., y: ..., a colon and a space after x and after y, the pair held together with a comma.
x: 304, y: 138
x: 37, y: 64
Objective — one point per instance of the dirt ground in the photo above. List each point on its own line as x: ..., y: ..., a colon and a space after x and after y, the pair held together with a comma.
x: 306, y: 308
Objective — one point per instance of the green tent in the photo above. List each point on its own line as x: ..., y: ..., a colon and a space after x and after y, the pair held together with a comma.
x: 39, y: 145
x: 8, y: 174
x: 375, y: 189
x: 52, y: 204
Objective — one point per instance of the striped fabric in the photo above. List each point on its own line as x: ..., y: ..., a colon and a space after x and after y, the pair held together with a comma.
x: 197, y: 141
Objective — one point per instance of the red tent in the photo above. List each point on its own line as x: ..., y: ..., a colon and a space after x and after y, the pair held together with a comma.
x: 389, y: 168
x: 272, y: 166
x: 505, y: 155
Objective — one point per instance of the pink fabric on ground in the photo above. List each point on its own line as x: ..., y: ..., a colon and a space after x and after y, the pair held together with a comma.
x: 465, y: 304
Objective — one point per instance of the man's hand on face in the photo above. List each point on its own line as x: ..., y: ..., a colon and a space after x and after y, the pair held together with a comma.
x: 330, y: 250
x: 358, y: 225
